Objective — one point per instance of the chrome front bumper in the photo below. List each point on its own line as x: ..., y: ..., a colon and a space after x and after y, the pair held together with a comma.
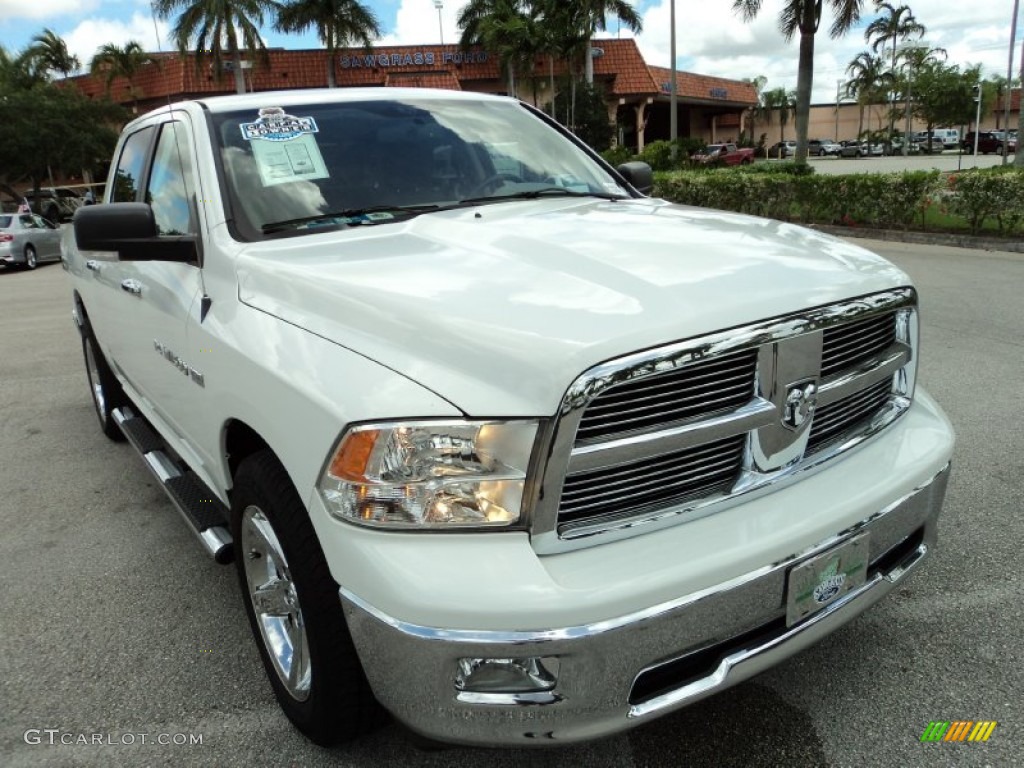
x: 623, y: 672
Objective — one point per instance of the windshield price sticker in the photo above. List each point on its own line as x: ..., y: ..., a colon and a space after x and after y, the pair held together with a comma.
x: 284, y: 147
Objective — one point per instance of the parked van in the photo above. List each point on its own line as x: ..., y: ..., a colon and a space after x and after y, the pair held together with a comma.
x: 949, y: 138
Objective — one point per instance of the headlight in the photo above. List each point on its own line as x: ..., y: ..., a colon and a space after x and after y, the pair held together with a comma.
x: 430, y: 474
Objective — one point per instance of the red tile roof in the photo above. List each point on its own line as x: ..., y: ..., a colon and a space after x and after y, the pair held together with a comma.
x: 423, y: 80
x: 705, y: 87
x: 619, y: 66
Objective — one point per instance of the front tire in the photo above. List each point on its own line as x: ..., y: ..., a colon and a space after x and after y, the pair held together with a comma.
x: 103, y: 386
x: 31, y: 260
x: 293, y: 607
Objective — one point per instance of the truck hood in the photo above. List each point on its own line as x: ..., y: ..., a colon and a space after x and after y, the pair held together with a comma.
x: 497, y: 308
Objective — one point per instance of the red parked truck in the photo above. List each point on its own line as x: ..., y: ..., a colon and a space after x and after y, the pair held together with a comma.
x: 727, y: 154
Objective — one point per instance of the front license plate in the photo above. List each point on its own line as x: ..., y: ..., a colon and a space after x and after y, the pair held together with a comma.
x: 820, y: 581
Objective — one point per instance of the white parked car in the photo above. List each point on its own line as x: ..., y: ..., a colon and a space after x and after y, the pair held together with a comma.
x: 494, y: 439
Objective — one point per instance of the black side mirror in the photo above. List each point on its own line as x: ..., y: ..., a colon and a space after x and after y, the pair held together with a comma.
x: 639, y: 175
x: 129, y: 229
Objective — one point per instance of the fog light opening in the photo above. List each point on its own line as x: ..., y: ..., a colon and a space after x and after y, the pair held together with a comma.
x: 535, y: 674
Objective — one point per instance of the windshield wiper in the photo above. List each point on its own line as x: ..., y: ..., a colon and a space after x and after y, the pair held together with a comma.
x: 348, y: 213
x: 533, y: 194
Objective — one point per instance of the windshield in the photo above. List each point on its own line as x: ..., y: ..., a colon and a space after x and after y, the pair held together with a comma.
x: 380, y: 161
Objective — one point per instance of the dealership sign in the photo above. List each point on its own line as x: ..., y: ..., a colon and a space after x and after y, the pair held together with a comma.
x: 409, y: 59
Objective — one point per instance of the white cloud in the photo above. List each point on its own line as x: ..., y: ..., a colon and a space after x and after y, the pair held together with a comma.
x: 728, y: 47
x: 90, y: 34
x: 44, y: 9
x: 417, y: 23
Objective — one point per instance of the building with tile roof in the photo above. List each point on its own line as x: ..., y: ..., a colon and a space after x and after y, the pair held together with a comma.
x: 638, y: 95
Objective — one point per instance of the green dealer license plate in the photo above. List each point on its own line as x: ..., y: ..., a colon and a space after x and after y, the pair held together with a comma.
x: 825, y: 578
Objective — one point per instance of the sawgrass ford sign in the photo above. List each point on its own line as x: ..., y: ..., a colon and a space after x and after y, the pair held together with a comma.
x: 417, y: 58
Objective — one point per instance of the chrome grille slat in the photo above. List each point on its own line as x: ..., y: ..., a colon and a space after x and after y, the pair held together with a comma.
x: 670, y: 380
x: 580, y: 491
x: 641, y: 485
x: 641, y: 489
x: 845, y: 345
x: 854, y: 352
x: 842, y: 415
x: 649, y: 402
x: 736, y: 381
x: 839, y: 336
x: 680, y: 411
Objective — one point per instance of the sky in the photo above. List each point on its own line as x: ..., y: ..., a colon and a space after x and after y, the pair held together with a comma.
x: 710, y: 38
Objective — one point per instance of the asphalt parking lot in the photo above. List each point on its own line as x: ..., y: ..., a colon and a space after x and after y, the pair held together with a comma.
x: 945, y: 161
x: 115, y: 623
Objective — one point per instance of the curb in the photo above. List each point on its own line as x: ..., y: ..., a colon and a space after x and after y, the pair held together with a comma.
x: 926, y: 238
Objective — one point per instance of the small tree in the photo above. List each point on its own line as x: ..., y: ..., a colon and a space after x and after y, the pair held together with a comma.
x: 591, y: 111
x: 48, y: 126
x: 114, y: 61
x: 944, y: 95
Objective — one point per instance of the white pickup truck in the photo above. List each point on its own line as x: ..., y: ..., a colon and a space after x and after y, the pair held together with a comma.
x: 494, y: 439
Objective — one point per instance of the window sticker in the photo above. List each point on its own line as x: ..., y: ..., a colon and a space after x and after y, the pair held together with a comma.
x: 284, y: 147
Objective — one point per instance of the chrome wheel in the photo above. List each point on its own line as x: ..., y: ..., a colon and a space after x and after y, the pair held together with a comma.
x: 275, y: 602
x: 30, y: 257
x: 93, y: 371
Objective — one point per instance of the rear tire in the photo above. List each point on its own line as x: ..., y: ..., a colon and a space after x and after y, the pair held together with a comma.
x: 31, y: 260
x: 291, y: 599
x: 103, y: 386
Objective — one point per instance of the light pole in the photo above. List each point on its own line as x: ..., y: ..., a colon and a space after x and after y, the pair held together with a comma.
x: 156, y: 30
x: 673, y: 118
x: 1009, y: 87
x: 839, y: 90
x: 439, y: 4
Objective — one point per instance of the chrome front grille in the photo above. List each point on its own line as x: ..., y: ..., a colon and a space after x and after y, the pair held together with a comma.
x: 697, y: 390
x: 627, y: 489
x: 686, y: 429
x: 847, y: 345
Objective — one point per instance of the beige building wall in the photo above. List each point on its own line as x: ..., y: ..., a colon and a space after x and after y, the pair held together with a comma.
x: 823, y: 123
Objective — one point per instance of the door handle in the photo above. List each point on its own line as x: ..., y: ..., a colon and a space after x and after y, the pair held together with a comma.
x: 131, y: 286
x: 93, y: 265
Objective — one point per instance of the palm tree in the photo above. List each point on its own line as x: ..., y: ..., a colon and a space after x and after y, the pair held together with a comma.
x: 759, y: 112
x: 591, y: 15
x: 116, y: 61
x: 17, y: 72
x: 781, y: 100
x: 865, y: 76
x: 505, y: 27
x: 560, y: 36
x: 213, y: 27
x: 49, y: 53
x: 895, y: 25
x: 804, y: 16
x: 338, y: 23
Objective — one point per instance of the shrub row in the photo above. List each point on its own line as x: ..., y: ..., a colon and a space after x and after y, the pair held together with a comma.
x: 886, y: 201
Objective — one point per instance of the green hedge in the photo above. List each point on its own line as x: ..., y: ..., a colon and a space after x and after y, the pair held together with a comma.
x: 911, y: 199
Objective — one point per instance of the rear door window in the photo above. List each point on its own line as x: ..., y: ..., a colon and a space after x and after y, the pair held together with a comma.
x: 130, y: 166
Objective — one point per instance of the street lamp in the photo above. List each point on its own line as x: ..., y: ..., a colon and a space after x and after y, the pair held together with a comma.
x: 439, y: 4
